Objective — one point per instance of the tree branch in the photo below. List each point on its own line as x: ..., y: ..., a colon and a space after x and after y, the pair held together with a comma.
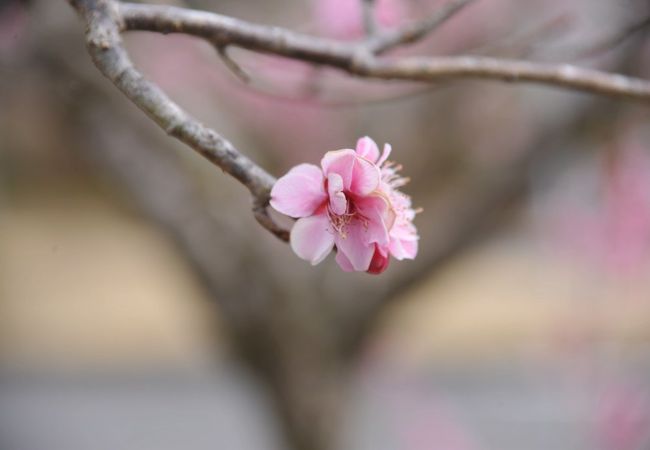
x: 617, y: 39
x: 107, y: 51
x: 231, y: 64
x: 411, y: 33
x: 358, y: 59
x: 514, y: 71
x: 223, y: 30
x: 369, y: 17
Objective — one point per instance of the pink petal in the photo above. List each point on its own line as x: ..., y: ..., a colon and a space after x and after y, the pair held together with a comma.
x: 300, y: 192
x: 311, y: 238
x: 403, y: 249
x: 338, y: 202
x: 354, y: 247
x: 404, y: 230
x: 359, y: 175
x: 343, y: 262
x: 368, y: 149
x: 385, y: 154
x: 410, y: 249
x: 380, y: 218
x: 340, y: 162
x: 365, y: 177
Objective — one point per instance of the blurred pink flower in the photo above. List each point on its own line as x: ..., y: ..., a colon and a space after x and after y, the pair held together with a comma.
x: 626, y: 217
x: 13, y: 27
x: 419, y: 417
x: 615, y: 234
x: 623, y: 418
x: 352, y: 202
x: 343, y: 18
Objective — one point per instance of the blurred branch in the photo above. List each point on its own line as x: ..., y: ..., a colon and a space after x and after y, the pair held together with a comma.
x: 526, y: 41
x: 231, y: 64
x: 369, y: 17
x: 617, y: 39
x: 263, y: 318
x: 414, y: 32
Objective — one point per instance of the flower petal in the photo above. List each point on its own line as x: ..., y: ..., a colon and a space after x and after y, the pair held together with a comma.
x: 300, y: 192
x: 343, y: 262
x: 353, y: 245
x: 404, y: 230
x: 410, y: 249
x: 338, y: 201
x: 365, y: 177
x: 385, y: 154
x: 379, y: 216
x: 340, y: 162
x: 403, y: 249
x: 359, y: 175
x: 368, y: 149
x: 311, y: 238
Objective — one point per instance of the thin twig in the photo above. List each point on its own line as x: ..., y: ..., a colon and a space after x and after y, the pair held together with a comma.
x: 224, y: 30
x: 617, y: 39
x: 526, y: 41
x: 411, y: 33
x: 469, y: 67
x: 369, y: 17
x: 231, y: 64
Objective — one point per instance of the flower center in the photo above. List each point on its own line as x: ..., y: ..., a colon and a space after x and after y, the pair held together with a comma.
x: 340, y: 222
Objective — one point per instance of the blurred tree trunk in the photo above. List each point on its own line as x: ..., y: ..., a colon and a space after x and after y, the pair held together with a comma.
x: 278, y: 329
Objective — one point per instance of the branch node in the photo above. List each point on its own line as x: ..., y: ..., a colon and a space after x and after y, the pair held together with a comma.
x: 261, y: 213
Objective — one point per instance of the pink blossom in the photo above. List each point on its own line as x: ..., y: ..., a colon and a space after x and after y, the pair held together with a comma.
x: 614, y: 232
x: 343, y: 19
x: 623, y: 417
x: 350, y: 202
x: 14, y: 26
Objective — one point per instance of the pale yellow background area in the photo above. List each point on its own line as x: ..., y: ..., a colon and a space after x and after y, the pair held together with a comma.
x: 83, y: 282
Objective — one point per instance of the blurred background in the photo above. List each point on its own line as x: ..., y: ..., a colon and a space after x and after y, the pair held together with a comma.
x: 142, y: 307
